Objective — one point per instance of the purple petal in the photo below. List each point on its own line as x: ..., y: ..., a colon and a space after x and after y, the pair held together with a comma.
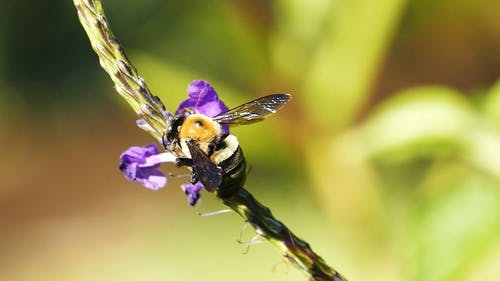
x: 152, y: 179
x: 129, y: 170
x: 141, y: 163
x: 203, y: 99
x: 192, y: 191
x: 159, y: 158
x: 138, y: 154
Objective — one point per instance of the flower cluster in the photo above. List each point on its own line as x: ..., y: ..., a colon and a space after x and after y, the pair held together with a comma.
x: 142, y: 163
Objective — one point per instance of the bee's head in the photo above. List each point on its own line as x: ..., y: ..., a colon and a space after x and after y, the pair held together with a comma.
x: 199, y: 128
x: 171, y: 136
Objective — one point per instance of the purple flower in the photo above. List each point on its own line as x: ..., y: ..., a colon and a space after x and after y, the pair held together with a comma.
x: 203, y: 99
x: 141, y: 163
x: 193, y: 192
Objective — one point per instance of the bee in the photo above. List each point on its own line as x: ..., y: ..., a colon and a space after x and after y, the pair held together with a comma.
x: 216, y: 159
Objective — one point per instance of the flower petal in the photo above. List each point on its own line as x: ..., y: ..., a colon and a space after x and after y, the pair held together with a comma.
x: 156, y: 159
x: 203, y: 99
x: 138, y: 154
x: 129, y: 170
x: 153, y: 179
x: 141, y: 163
x: 193, y: 192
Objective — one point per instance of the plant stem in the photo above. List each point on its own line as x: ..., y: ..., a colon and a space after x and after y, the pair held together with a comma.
x: 296, y: 250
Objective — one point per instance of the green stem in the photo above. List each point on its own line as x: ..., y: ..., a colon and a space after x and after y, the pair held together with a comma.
x: 296, y: 250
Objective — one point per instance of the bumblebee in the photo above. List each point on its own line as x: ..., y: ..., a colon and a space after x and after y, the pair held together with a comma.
x: 215, y: 158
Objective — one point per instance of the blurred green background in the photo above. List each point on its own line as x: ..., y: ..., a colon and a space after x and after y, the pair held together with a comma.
x: 387, y: 160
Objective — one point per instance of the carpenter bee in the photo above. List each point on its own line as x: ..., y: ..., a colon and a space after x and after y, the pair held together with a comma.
x: 215, y: 158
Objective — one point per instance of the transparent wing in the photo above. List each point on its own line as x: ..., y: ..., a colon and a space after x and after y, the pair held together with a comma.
x: 253, y: 111
x: 128, y: 83
x: 209, y: 174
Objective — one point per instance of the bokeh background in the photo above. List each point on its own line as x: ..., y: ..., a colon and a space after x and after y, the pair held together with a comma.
x: 387, y: 160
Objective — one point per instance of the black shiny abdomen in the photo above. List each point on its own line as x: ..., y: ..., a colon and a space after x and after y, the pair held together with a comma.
x: 234, y: 174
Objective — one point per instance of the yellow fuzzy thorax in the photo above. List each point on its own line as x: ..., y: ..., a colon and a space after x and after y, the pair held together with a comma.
x: 200, y: 128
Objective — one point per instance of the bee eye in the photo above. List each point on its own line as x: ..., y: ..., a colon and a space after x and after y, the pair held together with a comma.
x: 198, y: 123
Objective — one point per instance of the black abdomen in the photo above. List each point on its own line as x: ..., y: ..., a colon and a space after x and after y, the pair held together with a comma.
x: 234, y: 172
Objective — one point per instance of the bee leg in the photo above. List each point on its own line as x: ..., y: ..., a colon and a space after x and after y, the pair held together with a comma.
x: 180, y: 162
x: 194, y: 177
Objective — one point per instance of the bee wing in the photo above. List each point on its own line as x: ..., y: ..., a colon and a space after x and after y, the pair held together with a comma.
x: 209, y: 174
x: 253, y: 111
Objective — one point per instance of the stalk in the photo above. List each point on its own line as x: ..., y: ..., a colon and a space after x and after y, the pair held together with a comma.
x: 295, y: 250
x: 128, y: 84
